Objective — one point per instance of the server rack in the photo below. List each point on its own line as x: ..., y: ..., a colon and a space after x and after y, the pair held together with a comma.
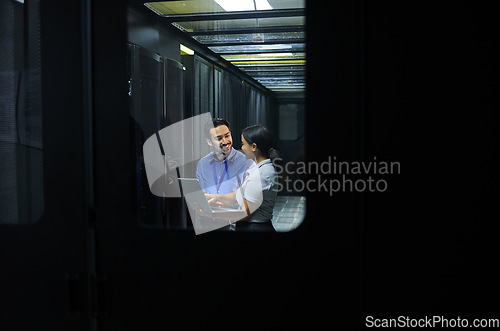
x: 156, y: 101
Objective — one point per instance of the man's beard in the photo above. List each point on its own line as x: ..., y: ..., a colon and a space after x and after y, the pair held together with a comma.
x: 227, y: 150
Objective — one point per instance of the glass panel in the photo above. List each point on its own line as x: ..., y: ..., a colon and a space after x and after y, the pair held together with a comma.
x: 21, y: 171
x: 250, y: 37
x: 244, y: 23
x: 217, y: 6
x: 258, y: 48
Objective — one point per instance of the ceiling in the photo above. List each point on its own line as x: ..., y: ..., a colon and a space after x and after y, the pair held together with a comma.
x: 263, y: 38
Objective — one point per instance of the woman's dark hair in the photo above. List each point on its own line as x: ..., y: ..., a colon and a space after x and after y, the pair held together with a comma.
x: 263, y: 137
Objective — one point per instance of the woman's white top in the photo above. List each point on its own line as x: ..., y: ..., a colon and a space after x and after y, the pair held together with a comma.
x: 259, y: 187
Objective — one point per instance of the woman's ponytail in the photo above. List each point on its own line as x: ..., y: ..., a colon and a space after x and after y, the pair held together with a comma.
x: 275, y: 156
x: 263, y: 138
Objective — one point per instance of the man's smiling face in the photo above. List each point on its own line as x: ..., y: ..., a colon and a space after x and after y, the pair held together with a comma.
x: 221, y: 140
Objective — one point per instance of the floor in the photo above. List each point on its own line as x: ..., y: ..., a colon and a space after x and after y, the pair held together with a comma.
x: 289, y: 212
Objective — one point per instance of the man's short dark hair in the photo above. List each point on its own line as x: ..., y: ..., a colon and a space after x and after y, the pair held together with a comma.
x: 215, y: 123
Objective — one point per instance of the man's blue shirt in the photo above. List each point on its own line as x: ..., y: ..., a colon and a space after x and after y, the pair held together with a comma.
x: 222, y: 177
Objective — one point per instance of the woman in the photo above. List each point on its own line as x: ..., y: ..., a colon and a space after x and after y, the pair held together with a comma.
x: 257, y: 194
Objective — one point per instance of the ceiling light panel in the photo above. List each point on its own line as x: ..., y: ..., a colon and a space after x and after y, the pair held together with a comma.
x: 268, y: 46
x: 250, y: 37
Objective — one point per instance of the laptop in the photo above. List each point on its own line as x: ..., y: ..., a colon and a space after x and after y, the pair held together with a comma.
x: 192, y: 191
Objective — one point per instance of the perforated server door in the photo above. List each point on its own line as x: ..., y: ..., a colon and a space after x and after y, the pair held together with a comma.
x: 175, y: 112
x: 156, y: 101
x: 147, y: 117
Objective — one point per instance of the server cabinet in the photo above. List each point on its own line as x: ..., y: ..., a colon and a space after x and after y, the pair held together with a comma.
x: 156, y: 101
x: 147, y: 117
x: 177, y: 216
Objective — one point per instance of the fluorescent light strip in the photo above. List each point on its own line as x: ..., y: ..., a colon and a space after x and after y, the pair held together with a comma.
x: 186, y: 50
x: 259, y: 56
x: 268, y: 62
x: 243, y: 5
x: 263, y: 5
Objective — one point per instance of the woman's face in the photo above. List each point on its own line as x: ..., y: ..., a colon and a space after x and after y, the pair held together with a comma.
x: 248, y: 150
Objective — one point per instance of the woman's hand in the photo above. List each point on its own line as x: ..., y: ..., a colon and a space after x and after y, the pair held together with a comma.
x: 211, y: 198
x: 222, y: 200
x: 214, y: 199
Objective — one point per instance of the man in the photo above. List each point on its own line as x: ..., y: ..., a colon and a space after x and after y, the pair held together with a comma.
x: 221, y: 171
